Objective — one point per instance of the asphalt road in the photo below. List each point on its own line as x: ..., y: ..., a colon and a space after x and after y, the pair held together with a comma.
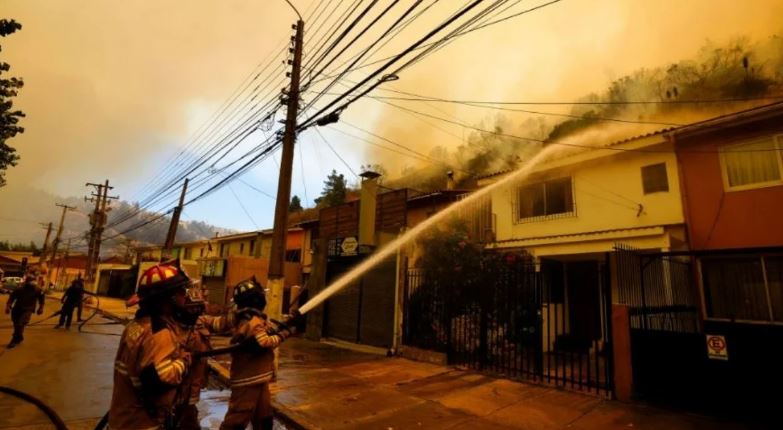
x: 68, y: 370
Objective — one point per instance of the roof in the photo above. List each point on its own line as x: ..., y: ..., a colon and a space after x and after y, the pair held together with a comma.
x: 724, y: 120
x: 448, y: 195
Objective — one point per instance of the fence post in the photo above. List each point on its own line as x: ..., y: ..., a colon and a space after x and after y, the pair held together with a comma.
x: 621, y: 350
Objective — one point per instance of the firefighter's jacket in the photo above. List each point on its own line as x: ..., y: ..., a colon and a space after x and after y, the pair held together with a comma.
x: 147, y: 370
x: 254, y: 363
x: 197, y: 340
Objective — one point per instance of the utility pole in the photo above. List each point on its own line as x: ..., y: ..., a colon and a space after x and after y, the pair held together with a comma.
x: 64, y: 263
x: 167, y: 247
x: 276, y: 273
x: 97, y: 222
x: 45, y: 248
x: 56, y: 242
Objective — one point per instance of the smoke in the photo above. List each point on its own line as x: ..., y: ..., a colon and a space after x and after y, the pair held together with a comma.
x: 663, y: 51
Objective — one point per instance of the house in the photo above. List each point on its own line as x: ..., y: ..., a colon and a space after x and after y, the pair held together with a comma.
x: 732, y: 189
x: 65, y: 269
x: 369, y: 311
x: 647, y: 268
x: 223, y: 261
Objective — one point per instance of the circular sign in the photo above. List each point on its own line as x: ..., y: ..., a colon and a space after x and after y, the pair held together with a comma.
x: 349, y: 245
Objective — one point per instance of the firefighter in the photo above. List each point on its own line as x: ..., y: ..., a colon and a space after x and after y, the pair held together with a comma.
x: 197, y: 330
x: 151, y: 362
x: 21, y: 306
x: 252, y: 365
x: 70, y: 300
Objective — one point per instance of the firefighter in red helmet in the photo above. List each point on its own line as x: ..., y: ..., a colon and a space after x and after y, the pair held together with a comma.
x: 151, y: 361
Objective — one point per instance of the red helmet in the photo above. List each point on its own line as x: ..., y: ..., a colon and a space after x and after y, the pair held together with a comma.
x: 160, y: 279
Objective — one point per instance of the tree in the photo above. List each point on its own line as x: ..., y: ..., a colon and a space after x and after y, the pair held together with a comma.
x: 9, y: 119
x: 295, y: 205
x: 335, y: 189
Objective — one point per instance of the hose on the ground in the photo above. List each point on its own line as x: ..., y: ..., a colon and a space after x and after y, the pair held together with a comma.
x: 58, y: 422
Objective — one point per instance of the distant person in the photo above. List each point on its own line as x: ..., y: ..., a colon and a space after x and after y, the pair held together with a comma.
x: 72, y: 298
x: 21, y: 306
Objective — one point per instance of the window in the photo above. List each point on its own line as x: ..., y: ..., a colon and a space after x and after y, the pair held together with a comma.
x: 252, y: 249
x: 293, y: 255
x: 654, y: 178
x: 201, y: 252
x: 187, y: 253
x: 241, y: 248
x: 545, y: 199
x: 753, y: 164
x: 744, y: 288
x: 223, y: 250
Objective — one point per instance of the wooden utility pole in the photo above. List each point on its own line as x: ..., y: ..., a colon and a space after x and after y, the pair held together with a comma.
x: 276, y: 274
x: 97, y: 223
x: 169, y: 244
x: 56, y: 242
x: 45, y: 248
x: 63, y: 263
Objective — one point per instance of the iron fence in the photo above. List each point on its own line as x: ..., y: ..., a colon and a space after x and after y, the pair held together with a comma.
x: 514, y: 320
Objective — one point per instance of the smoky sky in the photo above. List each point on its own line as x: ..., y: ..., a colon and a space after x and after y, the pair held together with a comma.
x: 114, y: 89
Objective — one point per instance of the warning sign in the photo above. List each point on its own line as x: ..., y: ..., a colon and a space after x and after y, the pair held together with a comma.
x: 716, y: 347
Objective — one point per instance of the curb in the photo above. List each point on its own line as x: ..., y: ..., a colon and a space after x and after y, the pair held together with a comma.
x: 281, y: 413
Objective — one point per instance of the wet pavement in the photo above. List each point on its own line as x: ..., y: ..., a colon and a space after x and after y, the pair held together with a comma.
x: 71, y: 372
x: 68, y: 370
x: 323, y: 387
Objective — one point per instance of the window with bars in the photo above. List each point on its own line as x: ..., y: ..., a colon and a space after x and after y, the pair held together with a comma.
x: 745, y: 288
x: 753, y: 164
x: 654, y: 178
x: 542, y: 200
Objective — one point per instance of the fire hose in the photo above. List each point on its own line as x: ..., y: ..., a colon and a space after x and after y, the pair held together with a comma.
x: 58, y: 422
x: 197, y: 355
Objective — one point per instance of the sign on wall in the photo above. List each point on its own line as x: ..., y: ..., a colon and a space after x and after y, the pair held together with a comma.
x: 717, y: 349
x: 343, y: 247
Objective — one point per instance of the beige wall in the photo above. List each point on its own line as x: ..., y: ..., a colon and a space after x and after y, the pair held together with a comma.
x: 607, y: 191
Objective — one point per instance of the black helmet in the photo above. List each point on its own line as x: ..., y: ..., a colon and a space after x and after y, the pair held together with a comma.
x: 250, y: 294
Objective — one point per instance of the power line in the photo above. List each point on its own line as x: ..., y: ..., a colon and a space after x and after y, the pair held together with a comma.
x: 554, y: 142
x: 396, y: 58
x: 230, y: 188
x: 419, y: 98
x: 419, y: 155
x: 336, y: 153
x: 302, y: 170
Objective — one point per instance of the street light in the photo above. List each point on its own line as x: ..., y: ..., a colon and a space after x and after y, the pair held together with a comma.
x: 294, y: 8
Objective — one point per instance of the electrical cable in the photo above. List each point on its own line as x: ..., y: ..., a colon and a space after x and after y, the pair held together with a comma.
x: 244, y: 209
x: 336, y: 153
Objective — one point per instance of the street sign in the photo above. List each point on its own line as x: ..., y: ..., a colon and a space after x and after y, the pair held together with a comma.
x: 717, y: 348
x: 349, y: 246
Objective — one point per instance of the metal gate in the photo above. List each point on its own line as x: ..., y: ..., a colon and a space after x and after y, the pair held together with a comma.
x: 363, y: 312
x: 667, y: 344
x: 516, y: 320
x: 669, y: 337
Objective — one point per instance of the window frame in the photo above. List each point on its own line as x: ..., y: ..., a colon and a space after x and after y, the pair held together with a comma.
x: 765, y: 276
x: 666, y: 176
x: 518, y: 219
x: 777, y: 141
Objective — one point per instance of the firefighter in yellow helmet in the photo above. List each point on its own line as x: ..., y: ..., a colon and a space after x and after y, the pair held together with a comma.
x: 151, y: 362
x: 252, y: 365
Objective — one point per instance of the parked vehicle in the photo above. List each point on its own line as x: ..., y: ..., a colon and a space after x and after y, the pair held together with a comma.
x: 10, y: 283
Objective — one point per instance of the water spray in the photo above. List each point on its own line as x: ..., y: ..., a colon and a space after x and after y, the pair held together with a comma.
x: 393, y: 246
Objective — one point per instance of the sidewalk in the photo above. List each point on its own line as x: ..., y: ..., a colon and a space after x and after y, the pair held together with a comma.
x: 324, y: 387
